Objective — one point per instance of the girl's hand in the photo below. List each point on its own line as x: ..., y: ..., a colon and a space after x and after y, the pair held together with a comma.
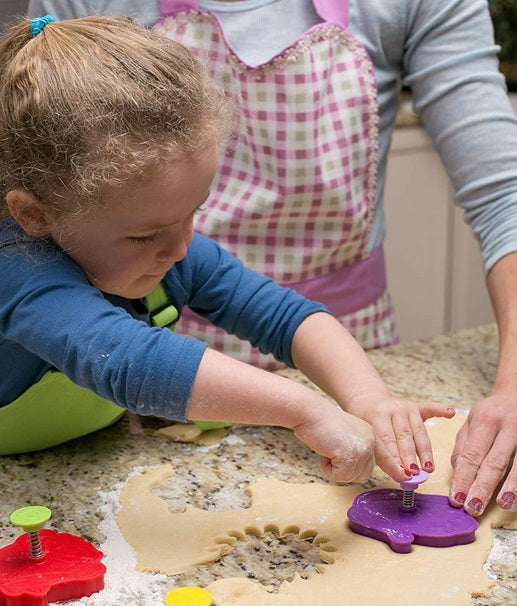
x: 483, y: 454
x: 346, y: 444
x: 330, y: 357
x: 399, y: 426
x: 228, y: 390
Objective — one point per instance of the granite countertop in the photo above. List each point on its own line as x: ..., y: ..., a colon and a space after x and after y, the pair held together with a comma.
x: 76, y: 480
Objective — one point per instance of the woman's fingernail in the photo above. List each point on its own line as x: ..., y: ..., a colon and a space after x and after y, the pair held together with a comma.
x: 508, y: 498
x: 460, y: 497
x: 406, y: 472
x: 428, y: 466
x: 414, y: 467
x: 475, y: 505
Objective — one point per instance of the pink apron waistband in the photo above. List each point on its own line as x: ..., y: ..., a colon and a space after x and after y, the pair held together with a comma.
x: 350, y: 288
x: 342, y: 291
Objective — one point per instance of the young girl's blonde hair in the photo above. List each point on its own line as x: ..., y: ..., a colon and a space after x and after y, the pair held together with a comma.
x: 94, y: 102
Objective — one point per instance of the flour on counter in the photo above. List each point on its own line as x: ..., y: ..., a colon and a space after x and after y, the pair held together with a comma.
x: 123, y: 583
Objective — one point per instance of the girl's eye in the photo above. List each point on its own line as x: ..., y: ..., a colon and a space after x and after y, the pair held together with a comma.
x: 199, y: 209
x: 142, y: 239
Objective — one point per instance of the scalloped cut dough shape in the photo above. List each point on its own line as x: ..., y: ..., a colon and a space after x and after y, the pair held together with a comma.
x: 354, y: 570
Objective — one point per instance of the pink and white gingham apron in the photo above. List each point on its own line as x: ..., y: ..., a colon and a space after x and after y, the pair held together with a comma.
x: 293, y: 199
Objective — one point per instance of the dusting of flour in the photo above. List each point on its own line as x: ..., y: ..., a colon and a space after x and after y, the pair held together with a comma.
x: 123, y: 584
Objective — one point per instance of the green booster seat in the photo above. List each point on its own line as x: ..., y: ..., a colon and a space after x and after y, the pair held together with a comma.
x: 55, y: 410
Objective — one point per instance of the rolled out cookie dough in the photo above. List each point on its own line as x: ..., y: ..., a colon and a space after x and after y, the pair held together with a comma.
x: 354, y: 569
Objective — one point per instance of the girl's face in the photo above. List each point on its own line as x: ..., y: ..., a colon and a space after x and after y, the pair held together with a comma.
x: 126, y: 246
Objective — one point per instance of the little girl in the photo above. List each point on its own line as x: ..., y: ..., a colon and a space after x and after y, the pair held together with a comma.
x: 108, y: 145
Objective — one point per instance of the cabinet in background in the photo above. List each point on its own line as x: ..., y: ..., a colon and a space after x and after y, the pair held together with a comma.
x: 434, y: 268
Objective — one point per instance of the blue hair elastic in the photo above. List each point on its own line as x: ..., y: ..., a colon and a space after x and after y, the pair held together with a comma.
x: 39, y: 23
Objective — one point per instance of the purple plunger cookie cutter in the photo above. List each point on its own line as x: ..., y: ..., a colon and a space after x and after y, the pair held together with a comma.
x: 401, y: 517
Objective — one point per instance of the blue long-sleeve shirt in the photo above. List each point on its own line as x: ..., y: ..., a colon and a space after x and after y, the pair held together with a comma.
x: 52, y: 317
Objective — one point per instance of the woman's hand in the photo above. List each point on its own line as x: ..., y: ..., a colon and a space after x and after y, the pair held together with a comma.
x: 329, y: 356
x: 399, y: 426
x: 483, y: 452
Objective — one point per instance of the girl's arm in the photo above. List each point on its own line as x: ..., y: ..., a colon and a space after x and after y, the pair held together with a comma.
x: 226, y: 389
x: 328, y: 355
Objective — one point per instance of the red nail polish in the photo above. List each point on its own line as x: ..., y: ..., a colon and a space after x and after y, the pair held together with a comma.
x: 406, y: 472
x: 414, y: 467
x: 508, y: 498
x: 476, y: 505
x: 460, y: 497
x: 428, y: 466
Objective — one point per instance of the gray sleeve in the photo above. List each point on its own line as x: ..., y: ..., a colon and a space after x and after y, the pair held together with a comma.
x: 145, y: 12
x: 451, y: 66
x: 10, y: 11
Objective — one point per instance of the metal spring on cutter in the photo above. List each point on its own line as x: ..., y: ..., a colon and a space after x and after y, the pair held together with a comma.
x: 408, y: 499
x: 35, y: 542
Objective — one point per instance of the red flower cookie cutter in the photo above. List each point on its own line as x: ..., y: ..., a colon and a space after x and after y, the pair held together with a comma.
x: 44, y: 566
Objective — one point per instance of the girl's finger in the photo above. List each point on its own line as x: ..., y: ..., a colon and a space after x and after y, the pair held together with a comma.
x: 385, y: 434
x: 422, y: 442
x: 432, y: 409
x: 390, y: 464
x: 405, y: 442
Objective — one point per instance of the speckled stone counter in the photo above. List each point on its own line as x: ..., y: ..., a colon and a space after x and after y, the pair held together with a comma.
x: 73, y: 479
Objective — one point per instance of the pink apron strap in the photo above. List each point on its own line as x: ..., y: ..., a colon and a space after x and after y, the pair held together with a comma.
x: 170, y: 8
x: 328, y: 10
x: 333, y: 11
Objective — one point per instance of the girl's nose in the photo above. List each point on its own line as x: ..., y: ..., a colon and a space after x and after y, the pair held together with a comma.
x: 174, y: 252
x: 172, y: 249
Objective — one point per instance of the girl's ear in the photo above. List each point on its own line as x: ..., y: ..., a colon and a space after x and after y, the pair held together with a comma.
x: 28, y: 211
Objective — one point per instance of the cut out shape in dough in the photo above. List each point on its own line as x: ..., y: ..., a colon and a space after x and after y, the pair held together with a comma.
x: 362, y: 570
x: 275, y: 559
x: 189, y: 432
